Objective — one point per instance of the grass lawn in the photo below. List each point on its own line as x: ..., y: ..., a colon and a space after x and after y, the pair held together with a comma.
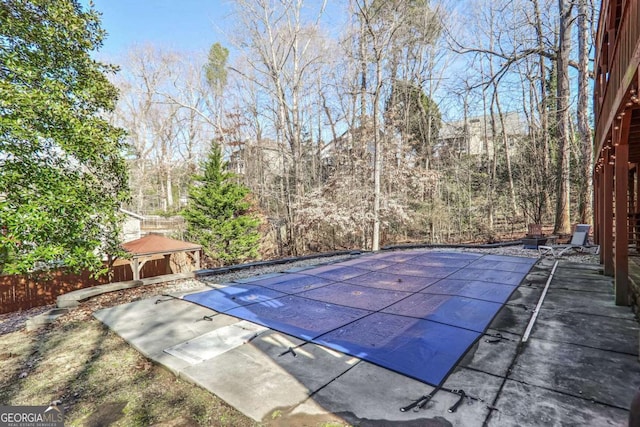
x: 100, y: 380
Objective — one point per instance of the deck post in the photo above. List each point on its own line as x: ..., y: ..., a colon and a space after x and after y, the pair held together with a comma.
x: 607, y: 217
x: 135, y: 267
x: 596, y: 207
x: 621, y: 260
x: 636, y: 186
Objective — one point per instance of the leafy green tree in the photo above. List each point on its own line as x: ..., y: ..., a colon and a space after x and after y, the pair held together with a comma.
x: 62, y: 175
x: 219, y: 215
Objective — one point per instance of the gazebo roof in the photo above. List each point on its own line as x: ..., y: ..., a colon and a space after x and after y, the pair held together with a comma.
x: 152, y: 244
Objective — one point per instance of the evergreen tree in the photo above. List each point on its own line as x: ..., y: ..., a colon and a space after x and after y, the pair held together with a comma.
x: 414, y: 115
x: 219, y: 213
x: 62, y: 174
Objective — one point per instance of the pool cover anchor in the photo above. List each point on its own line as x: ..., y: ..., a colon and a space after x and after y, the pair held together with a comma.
x: 251, y: 338
x: 169, y: 298
x: 254, y: 336
x: 289, y: 350
x: 494, y: 338
x: 293, y: 348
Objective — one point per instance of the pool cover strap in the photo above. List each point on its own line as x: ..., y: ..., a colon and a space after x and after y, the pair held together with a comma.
x: 287, y: 351
x: 455, y: 406
x: 169, y: 298
x: 421, y: 402
x: 253, y: 337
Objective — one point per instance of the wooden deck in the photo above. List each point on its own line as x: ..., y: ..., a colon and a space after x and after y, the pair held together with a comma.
x: 617, y: 139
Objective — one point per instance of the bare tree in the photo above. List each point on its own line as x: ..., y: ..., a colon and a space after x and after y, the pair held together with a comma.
x: 338, y: 135
x: 585, y: 24
x: 388, y: 31
x: 563, y: 183
x: 163, y: 106
x: 282, y: 55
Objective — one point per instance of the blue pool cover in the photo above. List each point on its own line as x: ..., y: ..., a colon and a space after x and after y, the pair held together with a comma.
x: 415, y: 312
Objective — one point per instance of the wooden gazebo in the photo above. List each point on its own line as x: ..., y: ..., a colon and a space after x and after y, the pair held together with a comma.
x: 617, y: 139
x: 154, y: 246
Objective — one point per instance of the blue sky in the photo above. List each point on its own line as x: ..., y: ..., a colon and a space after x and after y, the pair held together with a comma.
x: 186, y: 25
x: 183, y: 25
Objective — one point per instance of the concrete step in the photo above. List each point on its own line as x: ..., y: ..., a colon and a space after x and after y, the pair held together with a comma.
x: 74, y: 298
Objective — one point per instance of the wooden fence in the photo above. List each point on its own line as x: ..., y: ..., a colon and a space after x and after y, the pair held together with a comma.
x: 152, y: 268
x: 24, y: 292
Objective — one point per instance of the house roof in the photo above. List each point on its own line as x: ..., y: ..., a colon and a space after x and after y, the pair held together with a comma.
x: 157, y: 244
x: 132, y: 214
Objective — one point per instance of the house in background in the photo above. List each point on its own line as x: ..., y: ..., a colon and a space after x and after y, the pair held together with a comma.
x: 132, y: 226
x: 136, y: 226
x: 265, y: 155
x: 474, y: 135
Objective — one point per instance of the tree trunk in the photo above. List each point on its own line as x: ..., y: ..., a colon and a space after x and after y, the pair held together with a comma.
x: 507, y: 157
x: 169, y: 188
x: 562, y: 218
x: 377, y: 164
x: 492, y: 173
x: 543, y: 107
x: 584, y: 130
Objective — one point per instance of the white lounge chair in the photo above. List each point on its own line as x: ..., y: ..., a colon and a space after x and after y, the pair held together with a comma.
x: 578, y: 243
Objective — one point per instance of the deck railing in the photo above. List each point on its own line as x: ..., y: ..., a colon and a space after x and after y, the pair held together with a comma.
x: 615, y: 71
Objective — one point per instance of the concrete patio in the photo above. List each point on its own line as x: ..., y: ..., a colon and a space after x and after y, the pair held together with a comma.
x: 579, y: 365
